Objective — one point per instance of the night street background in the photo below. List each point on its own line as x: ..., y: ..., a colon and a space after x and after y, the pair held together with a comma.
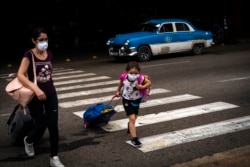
x: 93, y: 22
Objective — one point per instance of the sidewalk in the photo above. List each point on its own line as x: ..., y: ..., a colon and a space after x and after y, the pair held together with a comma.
x: 238, y: 157
x: 243, y: 40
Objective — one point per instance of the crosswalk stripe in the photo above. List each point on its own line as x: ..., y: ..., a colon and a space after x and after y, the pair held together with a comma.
x: 100, y: 99
x: 87, y: 92
x: 4, y: 76
x: 91, y: 92
x: 170, y: 139
x: 164, y: 64
x: 80, y: 80
x: 235, y: 79
x: 65, y: 72
x: 56, y: 72
x: 162, y: 101
x: 73, y: 76
x: 87, y: 85
x: 169, y: 115
x: 154, y: 102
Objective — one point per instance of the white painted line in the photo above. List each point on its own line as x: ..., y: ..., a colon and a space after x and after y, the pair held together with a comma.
x: 73, y: 76
x: 65, y: 71
x: 62, y: 69
x: 151, y: 103
x: 157, y: 65
x: 87, y: 85
x: 234, y: 79
x: 79, y: 113
x: 169, y: 115
x: 4, y: 115
x: 162, y: 101
x: 170, y: 139
x: 80, y: 80
x: 100, y: 99
x: 5, y: 76
x: 85, y: 93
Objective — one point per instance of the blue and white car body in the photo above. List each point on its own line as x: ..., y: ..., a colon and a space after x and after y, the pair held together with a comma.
x: 160, y: 37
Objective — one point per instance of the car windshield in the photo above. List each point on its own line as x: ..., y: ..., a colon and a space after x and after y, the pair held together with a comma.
x: 148, y: 27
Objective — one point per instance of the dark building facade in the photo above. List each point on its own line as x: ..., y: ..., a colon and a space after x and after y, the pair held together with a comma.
x: 67, y: 19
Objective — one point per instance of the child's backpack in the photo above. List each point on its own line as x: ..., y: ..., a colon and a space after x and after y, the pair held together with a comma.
x: 144, y: 92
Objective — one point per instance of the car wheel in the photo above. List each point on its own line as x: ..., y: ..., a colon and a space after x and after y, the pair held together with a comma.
x: 144, y: 53
x: 197, y: 49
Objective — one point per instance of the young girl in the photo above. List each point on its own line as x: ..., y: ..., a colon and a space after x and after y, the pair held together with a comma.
x: 131, y: 97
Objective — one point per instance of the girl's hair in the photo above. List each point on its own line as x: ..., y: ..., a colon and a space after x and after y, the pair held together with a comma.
x: 36, y: 32
x: 133, y: 64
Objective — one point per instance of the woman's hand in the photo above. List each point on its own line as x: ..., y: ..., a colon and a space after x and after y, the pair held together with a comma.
x: 40, y: 94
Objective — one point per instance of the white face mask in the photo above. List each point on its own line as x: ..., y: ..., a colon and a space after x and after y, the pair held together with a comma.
x: 42, y: 46
x: 132, y: 77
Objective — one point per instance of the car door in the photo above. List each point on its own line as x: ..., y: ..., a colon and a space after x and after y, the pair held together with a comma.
x: 184, y: 36
x: 166, y: 40
x: 170, y: 37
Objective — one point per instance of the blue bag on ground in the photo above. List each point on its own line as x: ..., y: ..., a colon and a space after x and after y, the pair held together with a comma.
x: 98, y: 114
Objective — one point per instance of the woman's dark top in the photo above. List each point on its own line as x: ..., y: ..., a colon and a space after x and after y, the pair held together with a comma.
x: 44, y: 70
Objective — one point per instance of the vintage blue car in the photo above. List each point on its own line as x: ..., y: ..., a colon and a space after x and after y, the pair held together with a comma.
x: 159, y: 37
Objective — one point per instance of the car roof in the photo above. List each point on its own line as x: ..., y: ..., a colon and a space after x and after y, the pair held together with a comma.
x: 160, y: 21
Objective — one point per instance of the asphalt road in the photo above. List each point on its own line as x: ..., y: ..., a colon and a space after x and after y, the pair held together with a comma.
x: 198, y: 114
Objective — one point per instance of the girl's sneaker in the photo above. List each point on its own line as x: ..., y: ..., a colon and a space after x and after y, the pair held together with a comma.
x: 135, y: 142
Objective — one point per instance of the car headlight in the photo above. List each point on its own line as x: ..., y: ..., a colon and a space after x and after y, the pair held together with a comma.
x: 122, y: 48
x: 108, y: 42
x: 126, y: 43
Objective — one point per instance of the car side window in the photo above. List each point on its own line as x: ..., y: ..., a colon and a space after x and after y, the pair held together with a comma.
x: 149, y: 27
x: 181, y: 27
x: 167, y: 28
